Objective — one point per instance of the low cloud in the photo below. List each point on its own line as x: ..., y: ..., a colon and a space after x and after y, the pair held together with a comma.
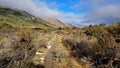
x: 30, y: 6
x: 100, y: 11
x: 106, y: 14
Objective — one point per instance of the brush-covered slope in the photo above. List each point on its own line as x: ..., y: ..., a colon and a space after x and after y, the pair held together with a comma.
x: 56, y: 23
x: 16, y: 18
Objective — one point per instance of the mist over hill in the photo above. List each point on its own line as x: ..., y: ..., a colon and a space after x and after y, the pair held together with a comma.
x: 17, y: 18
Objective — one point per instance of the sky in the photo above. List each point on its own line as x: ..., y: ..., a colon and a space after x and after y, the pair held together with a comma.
x: 75, y: 12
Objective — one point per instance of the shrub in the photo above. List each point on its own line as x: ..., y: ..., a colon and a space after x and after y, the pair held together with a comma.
x: 114, y: 29
x: 5, y: 25
x: 97, y: 43
x: 22, y: 51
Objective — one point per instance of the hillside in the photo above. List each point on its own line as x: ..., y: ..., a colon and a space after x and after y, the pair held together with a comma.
x: 16, y: 18
x: 56, y: 23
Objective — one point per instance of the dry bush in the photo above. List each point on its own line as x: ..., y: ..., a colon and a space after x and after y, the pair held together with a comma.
x: 114, y: 29
x: 80, y: 46
x: 19, y: 54
x: 95, y: 30
x: 97, y: 43
x: 26, y: 49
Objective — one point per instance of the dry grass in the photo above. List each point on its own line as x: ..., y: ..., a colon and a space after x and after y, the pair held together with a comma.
x: 77, y: 48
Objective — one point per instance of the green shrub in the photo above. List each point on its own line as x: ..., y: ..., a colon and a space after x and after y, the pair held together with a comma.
x: 5, y: 25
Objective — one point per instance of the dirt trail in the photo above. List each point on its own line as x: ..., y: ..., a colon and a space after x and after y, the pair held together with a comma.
x: 57, y: 56
x: 49, y: 56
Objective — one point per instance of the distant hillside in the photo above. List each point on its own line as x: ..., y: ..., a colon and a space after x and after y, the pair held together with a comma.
x: 16, y: 18
x: 56, y: 23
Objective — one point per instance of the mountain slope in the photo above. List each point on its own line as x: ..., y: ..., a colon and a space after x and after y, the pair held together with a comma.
x: 56, y: 23
x: 20, y: 19
x: 16, y: 18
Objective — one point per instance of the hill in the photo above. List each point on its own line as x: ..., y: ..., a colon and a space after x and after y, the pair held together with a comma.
x: 56, y: 23
x: 17, y: 18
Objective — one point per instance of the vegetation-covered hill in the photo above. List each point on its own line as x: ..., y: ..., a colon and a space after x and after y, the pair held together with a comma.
x: 17, y: 18
x: 57, y: 23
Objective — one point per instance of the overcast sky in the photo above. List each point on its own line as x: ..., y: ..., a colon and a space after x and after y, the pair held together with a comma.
x: 76, y: 12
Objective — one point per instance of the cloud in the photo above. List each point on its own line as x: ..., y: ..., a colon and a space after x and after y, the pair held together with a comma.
x: 108, y: 11
x: 100, y: 11
x: 30, y: 6
x: 16, y: 4
x: 106, y: 14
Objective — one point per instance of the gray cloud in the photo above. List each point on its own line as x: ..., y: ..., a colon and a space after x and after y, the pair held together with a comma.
x: 16, y: 4
x: 100, y: 11
x: 106, y: 14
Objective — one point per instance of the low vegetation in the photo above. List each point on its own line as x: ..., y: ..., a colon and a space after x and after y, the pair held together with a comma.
x: 99, y: 45
x: 17, y: 18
